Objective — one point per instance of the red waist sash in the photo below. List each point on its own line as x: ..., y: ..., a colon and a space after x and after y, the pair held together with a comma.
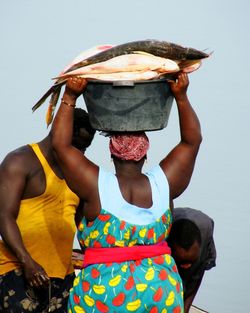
x: 122, y: 254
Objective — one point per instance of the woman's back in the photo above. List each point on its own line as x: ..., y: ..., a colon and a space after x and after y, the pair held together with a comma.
x: 136, y: 189
x: 124, y: 285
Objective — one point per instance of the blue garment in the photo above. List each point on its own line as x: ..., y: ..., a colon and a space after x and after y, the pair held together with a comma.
x: 119, y: 207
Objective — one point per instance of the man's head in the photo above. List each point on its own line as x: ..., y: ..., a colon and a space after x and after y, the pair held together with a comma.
x: 83, y: 133
x: 185, y: 243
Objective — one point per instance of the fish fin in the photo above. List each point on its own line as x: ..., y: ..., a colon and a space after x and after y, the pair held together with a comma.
x: 42, y: 99
x: 205, y: 50
x: 46, y: 95
x: 49, y: 115
x: 52, y: 105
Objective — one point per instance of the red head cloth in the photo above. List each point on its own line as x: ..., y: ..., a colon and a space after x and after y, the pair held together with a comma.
x: 129, y: 146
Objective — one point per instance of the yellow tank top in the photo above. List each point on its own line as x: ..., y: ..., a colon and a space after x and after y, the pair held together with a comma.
x: 47, y: 226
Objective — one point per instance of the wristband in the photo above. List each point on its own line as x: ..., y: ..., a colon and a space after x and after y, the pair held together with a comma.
x: 68, y: 104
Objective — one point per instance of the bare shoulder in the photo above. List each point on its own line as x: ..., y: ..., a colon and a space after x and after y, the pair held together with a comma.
x: 21, y: 159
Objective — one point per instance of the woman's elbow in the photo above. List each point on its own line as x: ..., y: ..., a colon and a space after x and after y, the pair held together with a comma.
x: 199, y: 139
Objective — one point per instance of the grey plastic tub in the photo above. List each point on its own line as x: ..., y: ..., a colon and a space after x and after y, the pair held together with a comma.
x: 128, y: 106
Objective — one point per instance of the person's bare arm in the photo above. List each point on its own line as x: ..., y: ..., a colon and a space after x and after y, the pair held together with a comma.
x: 80, y: 173
x: 178, y: 165
x: 12, y: 182
x: 13, y: 176
x: 188, y: 301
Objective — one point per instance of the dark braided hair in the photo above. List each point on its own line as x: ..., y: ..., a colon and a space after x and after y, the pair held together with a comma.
x: 81, y: 120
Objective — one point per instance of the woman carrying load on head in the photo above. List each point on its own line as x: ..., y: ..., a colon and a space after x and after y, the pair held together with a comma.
x: 127, y: 216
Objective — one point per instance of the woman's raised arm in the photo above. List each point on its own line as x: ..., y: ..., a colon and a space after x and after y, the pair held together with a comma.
x: 178, y: 165
x: 80, y: 173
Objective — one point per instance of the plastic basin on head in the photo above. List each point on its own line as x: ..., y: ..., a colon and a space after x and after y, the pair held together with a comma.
x: 127, y: 105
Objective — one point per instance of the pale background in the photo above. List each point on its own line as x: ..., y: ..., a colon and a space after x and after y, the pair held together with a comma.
x: 38, y: 38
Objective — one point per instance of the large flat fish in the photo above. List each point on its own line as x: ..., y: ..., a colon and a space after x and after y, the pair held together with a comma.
x: 162, y: 49
x: 126, y: 63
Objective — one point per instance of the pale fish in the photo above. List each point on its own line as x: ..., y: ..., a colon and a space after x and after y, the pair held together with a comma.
x: 127, y: 63
x: 133, y: 76
x: 86, y: 54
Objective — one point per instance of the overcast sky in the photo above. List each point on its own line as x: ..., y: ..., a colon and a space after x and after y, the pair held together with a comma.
x: 38, y: 38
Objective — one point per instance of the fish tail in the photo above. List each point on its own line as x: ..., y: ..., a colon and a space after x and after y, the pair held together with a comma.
x: 52, y: 105
x: 46, y: 95
x: 42, y: 99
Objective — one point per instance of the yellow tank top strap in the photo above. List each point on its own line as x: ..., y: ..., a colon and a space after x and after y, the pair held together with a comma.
x: 41, y: 158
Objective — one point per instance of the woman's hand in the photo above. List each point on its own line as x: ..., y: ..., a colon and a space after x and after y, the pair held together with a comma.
x: 179, y: 88
x: 75, y: 87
